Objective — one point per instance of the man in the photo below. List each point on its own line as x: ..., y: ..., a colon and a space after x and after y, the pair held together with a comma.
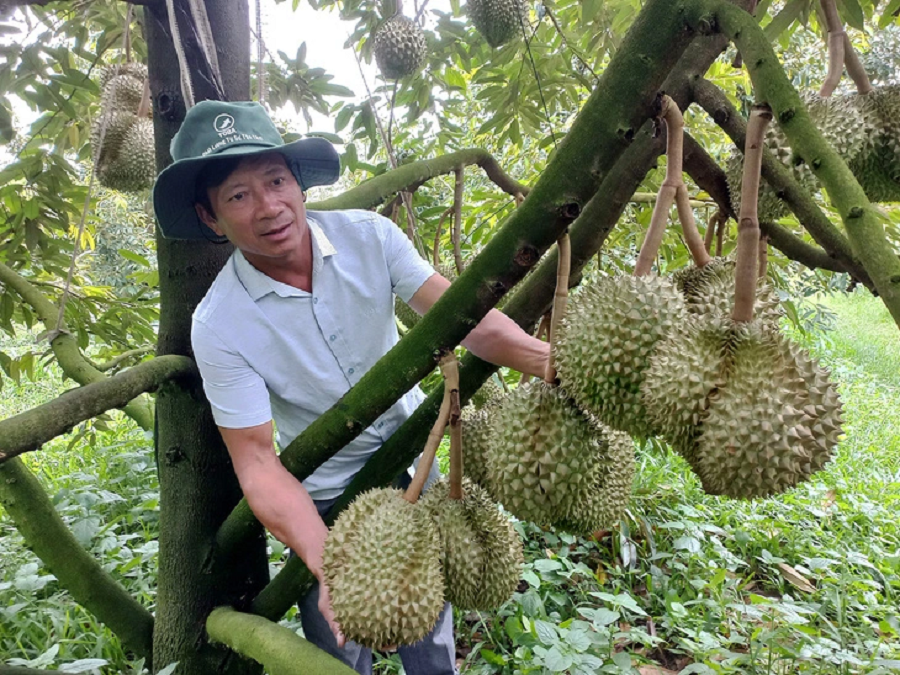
x: 296, y: 317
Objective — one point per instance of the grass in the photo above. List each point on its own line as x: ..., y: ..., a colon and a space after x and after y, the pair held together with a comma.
x: 808, y: 582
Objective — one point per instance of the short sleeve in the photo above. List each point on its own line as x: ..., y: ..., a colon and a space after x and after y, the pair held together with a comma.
x: 407, y: 268
x: 237, y: 393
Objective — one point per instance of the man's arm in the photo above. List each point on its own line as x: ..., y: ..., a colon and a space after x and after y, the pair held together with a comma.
x: 280, y: 502
x: 496, y: 339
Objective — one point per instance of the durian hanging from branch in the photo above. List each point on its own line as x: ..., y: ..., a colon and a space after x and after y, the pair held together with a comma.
x: 498, y: 21
x: 399, y: 43
x: 751, y: 413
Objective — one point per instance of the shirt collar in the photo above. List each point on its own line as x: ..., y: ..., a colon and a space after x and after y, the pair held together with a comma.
x: 259, y: 284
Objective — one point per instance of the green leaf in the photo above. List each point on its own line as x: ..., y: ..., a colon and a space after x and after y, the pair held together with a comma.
x: 343, y: 117
x: 492, y: 657
x: 782, y: 21
x: 331, y: 138
x: 887, y: 14
x: 556, y: 661
x: 134, y: 257
x: 852, y: 13
x: 623, y: 660
x: 546, y: 632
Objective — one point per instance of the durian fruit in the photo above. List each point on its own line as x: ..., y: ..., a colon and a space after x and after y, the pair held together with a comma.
x: 602, y: 506
x: 133, y: 168
x: 605, y: 344
x: 733, y: 400
x: 133, y: 69
x: 498, y: 21
x: 862, y: 128
x: 113, y: 129
x: 382, y: 564
x: 488, y: 395
x: 710, y: 290
x: 399, y: 46
x: 482, y: 551
x: 477, y: 430
x: 750, y: 414
x: 123, y: 93
x: 541, y: 454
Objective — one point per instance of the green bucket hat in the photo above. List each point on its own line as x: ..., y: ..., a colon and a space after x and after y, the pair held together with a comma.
x: 216, y: 129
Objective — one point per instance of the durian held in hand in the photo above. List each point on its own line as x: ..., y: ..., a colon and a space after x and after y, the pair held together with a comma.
x: 753, y: 414
x: 547, y: 461
x: 122, y: 134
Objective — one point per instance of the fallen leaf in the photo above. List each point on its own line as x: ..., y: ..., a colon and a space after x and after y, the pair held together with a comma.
x: 830, y: 498
x: 655, y: 670
x: 795, y: 579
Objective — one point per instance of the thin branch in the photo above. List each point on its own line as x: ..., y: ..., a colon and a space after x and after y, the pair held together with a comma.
x: 410, y: 176
x: 836, y: 35
x: 29, y: 430
x: 436, y: 246
x: 457, y: 218
x: 113, y: 363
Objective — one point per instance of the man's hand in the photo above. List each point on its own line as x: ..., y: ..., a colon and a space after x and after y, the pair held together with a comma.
x: 328, y: 612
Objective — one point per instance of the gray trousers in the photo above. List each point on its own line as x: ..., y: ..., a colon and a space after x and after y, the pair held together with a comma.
x: 433, y: 655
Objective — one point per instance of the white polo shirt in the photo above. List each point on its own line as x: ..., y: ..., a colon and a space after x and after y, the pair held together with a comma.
x: 267, y: 350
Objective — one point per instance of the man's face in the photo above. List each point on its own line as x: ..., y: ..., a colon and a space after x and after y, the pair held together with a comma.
x: 259, y: 207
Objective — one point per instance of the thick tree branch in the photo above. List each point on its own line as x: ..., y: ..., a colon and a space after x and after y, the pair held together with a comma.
x: 27, y: 503
x: 711, y: 177
x: 600, y: 134
x: 68, y: 355
x: 31, y: 429
x: 42, y: 3
x: 716, y: 104
x: 527, y: 305
x: 410, y: 176
x: 278, y: 648
x: 861, y: 219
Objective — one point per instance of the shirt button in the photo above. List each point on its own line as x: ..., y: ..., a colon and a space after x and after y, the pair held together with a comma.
x: 350, y: 371
x: 315, y: 301
x: 380, y: 424
x: 333, y: 338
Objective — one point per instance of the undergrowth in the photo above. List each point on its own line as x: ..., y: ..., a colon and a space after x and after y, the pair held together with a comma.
x: 807, y: 582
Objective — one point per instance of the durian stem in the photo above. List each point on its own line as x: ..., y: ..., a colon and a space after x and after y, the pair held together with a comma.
x: 711, y: 229
x: 129, y: 14
x: 144, y: 107
x: 542, y: 331
x: 836, y: 35
x: 456, y: 445
x: 763, y: 256
x: 667, y: 191
x: 746, y: 270
x: 450, y: 370
x: 436, y: 247
x: 560, y: 299
x: 457, y: 218
x: 855, y: 68
x: 689, y: 228
x: 720, y: 235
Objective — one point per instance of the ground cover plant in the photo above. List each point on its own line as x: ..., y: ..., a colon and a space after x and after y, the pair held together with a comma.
x: 807, y: 582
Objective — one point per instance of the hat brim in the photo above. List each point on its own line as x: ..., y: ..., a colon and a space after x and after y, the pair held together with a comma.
x: 313, y: 161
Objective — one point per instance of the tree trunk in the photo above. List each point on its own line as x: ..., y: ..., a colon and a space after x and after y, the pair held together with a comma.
x: 198, y: 487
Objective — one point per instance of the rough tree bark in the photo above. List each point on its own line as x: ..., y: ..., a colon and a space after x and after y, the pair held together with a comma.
x: 198, y: 487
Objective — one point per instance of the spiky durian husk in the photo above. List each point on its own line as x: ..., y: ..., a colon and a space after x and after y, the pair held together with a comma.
x: 477, y: 430
x: 864, y: 130
x: 740, y: 407
x: 482, y: 551
x: 605, y: 342
x: 604, y: 503
x: 399, y: 47
x: 134, y: 166
x: 489, y: 394
x: 499, y: 21
x: 135, y: 70
x: 541, y: 453
x: 114, y: 127
x: 710, y: 290
x: 123, y: 93
x: 382, y: 564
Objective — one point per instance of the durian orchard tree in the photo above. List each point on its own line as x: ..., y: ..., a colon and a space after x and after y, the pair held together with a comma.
x: 512, y: 145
